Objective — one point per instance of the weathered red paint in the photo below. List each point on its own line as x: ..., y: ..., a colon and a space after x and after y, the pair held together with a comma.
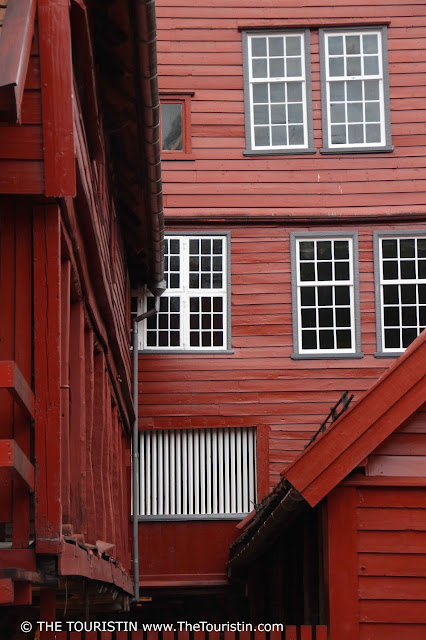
x: 56, y: 91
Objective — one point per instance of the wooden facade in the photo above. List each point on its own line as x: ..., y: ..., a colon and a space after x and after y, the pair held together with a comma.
x: 262, y: 199
x: 66, y: 263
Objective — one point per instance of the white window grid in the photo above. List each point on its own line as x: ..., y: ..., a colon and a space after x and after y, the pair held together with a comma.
x: 402, y: 298
x: 194, y: 305
x: 283, y: 108
x: 355, y: 96
x: 197, y: 472
x: 334, y: 307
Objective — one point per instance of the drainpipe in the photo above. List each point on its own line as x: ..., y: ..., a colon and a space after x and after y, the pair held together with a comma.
x: 135, y: 444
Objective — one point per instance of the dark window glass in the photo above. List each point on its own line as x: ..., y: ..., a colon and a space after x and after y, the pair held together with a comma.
x: 171, y: 127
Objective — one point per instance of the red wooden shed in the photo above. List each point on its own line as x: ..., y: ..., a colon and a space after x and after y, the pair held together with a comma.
x: 356, y: 500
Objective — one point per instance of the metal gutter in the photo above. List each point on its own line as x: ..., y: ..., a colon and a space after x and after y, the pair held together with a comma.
x: 266, y: 529
x: 142, y: 14
x: 135, y: 445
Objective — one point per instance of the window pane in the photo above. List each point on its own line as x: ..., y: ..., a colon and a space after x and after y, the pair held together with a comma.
x: 171, y: 127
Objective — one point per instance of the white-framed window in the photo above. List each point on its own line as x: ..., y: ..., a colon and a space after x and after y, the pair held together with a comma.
x: 197, y: 473
x: 400, y: 289
x: 325, y: 295
x: 277, y: 91
x: 355, y: 92
x: 194, y: 310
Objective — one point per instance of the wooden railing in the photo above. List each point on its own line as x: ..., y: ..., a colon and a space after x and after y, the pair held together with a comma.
x: 286, y: 632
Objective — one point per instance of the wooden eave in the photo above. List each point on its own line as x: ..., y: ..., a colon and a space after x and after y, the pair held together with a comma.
x: 125, y: 59
x: 16, y: 36
x: 383, y: 408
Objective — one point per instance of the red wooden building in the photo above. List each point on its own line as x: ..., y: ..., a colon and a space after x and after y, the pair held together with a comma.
x: 293, y: 163
x: 81, y: 222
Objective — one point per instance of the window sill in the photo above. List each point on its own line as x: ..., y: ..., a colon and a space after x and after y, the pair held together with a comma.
x: 188, y: 352
x: 278, y: 152
x: 176, y: 155
x: 326, y: 356
x: 193, y: 517
x: 388, y: 354
x: 385, y: 149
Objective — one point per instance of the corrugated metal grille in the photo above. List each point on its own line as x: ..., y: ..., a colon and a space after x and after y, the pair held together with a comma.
x: 197, y: 471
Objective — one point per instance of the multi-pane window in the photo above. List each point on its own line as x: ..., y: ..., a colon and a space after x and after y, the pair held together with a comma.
x: 197, y: 472
x: 277, y: 76
x: 194, y: 308
x: 324, y: 294
x: 354, y: 89
x: 402, y: 290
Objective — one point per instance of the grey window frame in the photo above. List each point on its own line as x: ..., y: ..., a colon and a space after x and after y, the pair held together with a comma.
x: 227, y: 349
x: 387, y: 146
x: 249, y: 150
x: 377, y: 236
x: 312, y: 235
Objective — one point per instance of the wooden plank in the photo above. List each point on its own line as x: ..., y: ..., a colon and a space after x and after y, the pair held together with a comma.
x: 392, y: 541
x: 98, y: 459
x: 23, y: 358
x: 321, y: 632
x: 91, y: 445
x: 47, y: 369
x: 398, y: 465
x: 12, y: 379
x: 388, y: 519
x: 78, y: 488
x: 342, y: 564
x: 392, y: 588
x: 306, y: 632
x: 17, y: 33
x: 65, y: 391
x: 393, y: 611
x: 391, y: 631
x: 47, y: 612
x: 12, y: 457
x: 290, y: 632
x: 56, y: 74
x: 21, y: 177
x: 21, y: 143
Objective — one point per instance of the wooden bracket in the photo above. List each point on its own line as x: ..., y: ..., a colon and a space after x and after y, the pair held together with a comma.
x: 12, y: 379
x: 12, y: 457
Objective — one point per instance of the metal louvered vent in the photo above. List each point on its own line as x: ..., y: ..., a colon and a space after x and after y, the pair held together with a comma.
x: 197, y: 472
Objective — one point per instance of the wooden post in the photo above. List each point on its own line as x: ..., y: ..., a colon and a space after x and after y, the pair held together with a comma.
x: 47, y: 368
x: 48, y: 612
x: 56, y: 92
x: 343, y: 564
x: 91, y: 446
x: 23, y: 357
x: 65, y: 388
x: 78, y: 419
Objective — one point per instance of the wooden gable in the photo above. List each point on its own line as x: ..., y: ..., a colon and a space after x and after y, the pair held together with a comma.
x: 395, y: 397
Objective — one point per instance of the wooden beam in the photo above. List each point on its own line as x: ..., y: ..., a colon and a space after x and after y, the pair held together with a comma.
x: 15, y: 46
x: 47, y: 370
x: 56, y: 93
x: 12, y: 457
x: 11, y: 378
x: 343, y: 564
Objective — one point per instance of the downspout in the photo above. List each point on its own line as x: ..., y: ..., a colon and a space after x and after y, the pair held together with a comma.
x: 135, y: 445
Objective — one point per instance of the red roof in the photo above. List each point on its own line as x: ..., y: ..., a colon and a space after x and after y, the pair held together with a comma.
x: 383, y: 408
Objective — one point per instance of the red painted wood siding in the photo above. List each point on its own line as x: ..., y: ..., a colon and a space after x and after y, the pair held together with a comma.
x: 404, y: 452
x: 185, y: 552
x: 392, y: 562
x: 259, y: 383
x: 199, y: 46
x: 21, y: 146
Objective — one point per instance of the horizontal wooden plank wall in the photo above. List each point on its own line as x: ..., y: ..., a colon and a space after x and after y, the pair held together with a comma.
x: 21, y: 147
x: 392, y: 563
x: 404, y: 452
x: 199, y: 49
x: 259, y: 383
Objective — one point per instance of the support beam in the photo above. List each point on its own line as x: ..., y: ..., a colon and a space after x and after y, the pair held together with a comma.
x: 12, y: 379
x: 12, y: 457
